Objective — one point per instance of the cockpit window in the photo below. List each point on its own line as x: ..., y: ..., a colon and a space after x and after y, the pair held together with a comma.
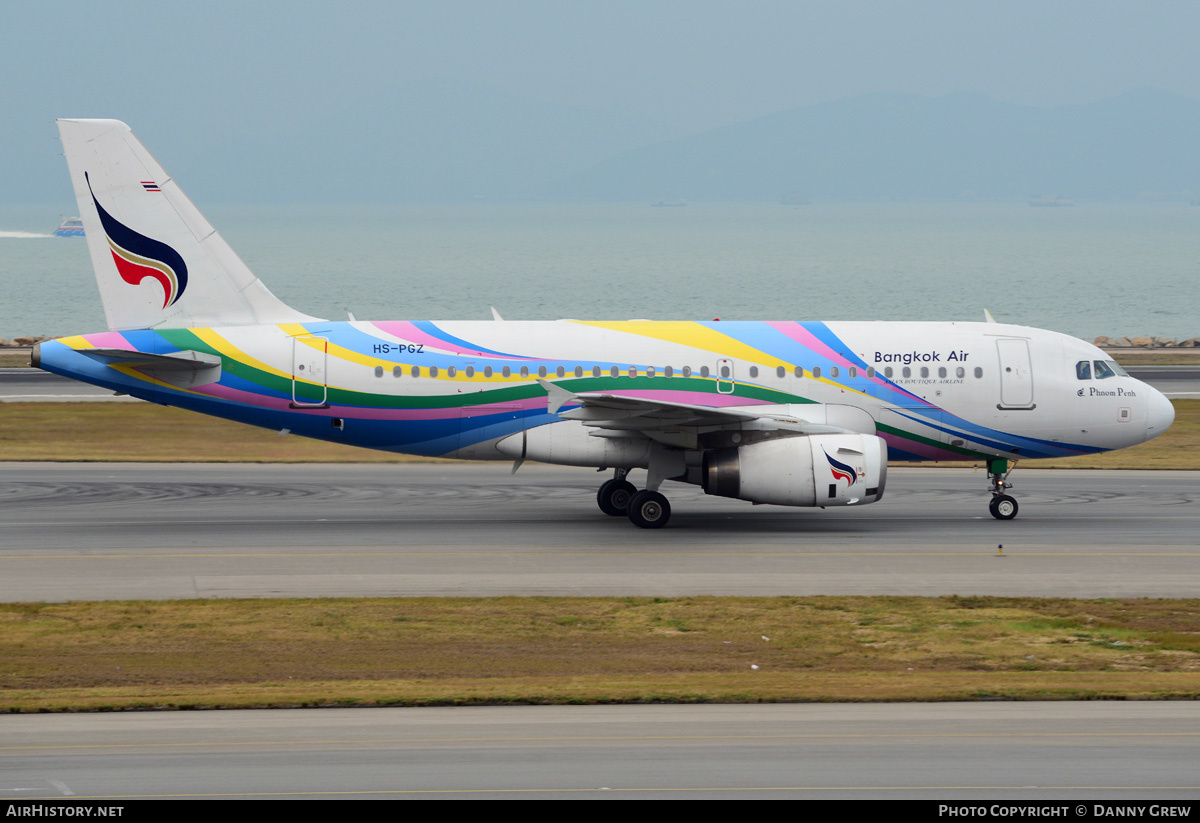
x: 1103, y: 370
x: 1115, y: 366
x: 1083, y: 369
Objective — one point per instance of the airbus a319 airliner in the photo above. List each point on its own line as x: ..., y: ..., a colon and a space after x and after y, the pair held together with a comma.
x: 784, y: 412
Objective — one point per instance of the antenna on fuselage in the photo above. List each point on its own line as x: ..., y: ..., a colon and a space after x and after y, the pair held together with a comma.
x: 987, y: 317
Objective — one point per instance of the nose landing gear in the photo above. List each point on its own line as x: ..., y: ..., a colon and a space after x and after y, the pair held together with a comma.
x: 1003, y: 506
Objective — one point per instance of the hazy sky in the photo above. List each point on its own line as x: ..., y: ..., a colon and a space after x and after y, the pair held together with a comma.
x: 174, y: 69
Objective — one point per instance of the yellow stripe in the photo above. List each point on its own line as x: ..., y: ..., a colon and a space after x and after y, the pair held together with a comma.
x: 227, y: 349
x: 75, y: 342
x: 699, y: 336
x: 131, y: 371
x: 691, y: 334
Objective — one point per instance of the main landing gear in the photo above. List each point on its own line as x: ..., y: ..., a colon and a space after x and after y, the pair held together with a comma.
x: 1003, y: 506
x: 646, y: 509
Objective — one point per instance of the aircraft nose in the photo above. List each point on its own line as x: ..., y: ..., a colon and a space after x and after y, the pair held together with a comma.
x: 1160, y: 414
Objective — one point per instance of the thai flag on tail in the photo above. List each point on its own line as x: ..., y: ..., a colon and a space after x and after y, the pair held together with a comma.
x: 150, y: 185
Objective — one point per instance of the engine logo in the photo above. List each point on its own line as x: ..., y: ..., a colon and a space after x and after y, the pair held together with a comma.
x: 840, y: 470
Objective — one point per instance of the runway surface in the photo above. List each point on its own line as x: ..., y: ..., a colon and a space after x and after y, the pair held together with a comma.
x: 37, y: 386
x: 34, y: 385
x: 992, y: 751
x: 121, y: 531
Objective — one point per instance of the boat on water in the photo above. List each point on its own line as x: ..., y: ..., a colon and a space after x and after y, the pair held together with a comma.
x: 71, y: 227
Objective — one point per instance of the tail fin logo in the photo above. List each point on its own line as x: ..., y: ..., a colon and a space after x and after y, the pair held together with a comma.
x: 841, y: 471
x: 138, y: 256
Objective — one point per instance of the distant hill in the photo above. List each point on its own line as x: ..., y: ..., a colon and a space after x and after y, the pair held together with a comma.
x: 901, y: 146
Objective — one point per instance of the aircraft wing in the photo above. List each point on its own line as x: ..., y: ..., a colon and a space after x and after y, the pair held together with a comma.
x: 615, y: 412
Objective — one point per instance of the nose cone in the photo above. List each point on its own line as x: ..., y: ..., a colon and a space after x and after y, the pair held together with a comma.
x: 1160, y: 414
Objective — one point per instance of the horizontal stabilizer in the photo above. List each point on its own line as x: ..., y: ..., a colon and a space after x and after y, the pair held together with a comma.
x: 185, y: 369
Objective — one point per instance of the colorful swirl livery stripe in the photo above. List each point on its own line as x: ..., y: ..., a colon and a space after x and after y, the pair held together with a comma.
x: 138, y: 256
x: 368, y: 381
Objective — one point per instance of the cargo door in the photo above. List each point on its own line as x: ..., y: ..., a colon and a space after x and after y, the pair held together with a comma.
x: 310, y: 356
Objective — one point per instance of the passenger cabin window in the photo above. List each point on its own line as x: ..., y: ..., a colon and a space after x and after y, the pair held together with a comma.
x: 524, y: 371
x: 942, y: 371
x: 397, y: 371
x: 924, y: 371
x: 817, y: 372
x: 470, y: 371
x: 906, y: 372
x: 978, y: 371
x: 833, y: 371
x: 725, y: 371
x: 560, y: 371
x: 799, y: 371
x: 960, y: 372
x: 888, y: 372
x: 595, y: 371
x: 780, y: 372
x: 704, y: 371
x: 506, y: 371
x: 451, y: 371
x: 633, y: 372
x: 379, y: 371
x: 650, y: 371
x: 613, y: 372
x: 541, y: 371
x: 433, y: 371
x: 754, y: 371
x: 870, y: 371
x: 1083, y: 370
x: 687, y: 371
x: 416, y: 371
x: 487, y: 371
x: 579, y: 371
x: 853, y: 372
x: 668, y: 372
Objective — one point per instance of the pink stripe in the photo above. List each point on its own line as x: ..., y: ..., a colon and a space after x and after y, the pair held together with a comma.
x: 923, y: 450
x: 807, y: 339
x: 110, y: 340
x: 405, y: 330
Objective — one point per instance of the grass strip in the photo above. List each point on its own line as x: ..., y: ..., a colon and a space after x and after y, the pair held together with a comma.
x: 460, y: 651
x: 14, y: 360
x: 144, y: 432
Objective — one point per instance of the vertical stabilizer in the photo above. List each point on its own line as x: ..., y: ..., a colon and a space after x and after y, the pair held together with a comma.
x: 158, y: 262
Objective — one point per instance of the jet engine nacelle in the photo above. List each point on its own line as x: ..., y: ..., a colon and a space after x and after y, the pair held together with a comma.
x: 818, y: 470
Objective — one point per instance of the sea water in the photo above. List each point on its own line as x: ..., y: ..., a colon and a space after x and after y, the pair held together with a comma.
x: 1115, y: 269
